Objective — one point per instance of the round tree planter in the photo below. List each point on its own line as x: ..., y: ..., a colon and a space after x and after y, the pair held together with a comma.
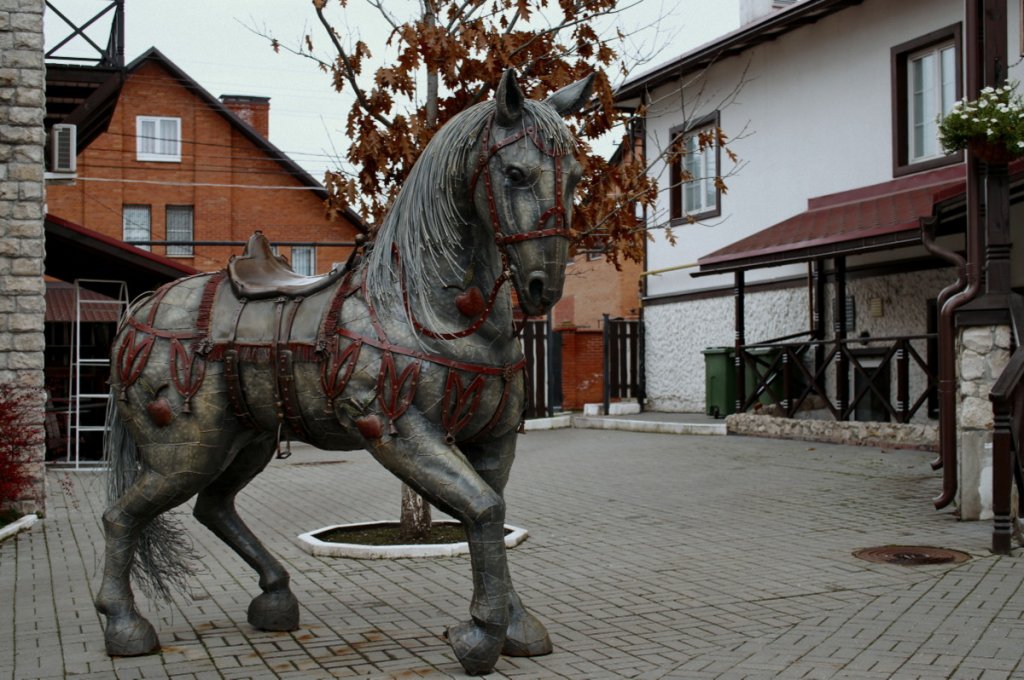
x: 312, y: 543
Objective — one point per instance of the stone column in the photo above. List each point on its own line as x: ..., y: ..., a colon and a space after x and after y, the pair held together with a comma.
x: 983, y: 354
x: 22, y: 302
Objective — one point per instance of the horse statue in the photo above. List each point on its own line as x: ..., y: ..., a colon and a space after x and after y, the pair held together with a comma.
x: 409, y: 351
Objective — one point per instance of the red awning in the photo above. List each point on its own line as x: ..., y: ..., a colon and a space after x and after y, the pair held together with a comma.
x: 876, y: 217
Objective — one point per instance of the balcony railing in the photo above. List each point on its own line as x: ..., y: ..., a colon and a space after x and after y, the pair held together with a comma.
x: 821, y: 374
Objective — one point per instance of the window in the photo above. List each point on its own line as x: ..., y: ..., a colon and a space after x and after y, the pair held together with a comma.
x: 694, y: 192
x: 304, y: 260
x: 926, y: 83
x: 179, y: 228
x: 136, y: 221
x: 158, y: 139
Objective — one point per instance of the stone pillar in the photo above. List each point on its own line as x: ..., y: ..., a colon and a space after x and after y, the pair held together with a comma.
x: 983, y: 354
x: 22, y: 303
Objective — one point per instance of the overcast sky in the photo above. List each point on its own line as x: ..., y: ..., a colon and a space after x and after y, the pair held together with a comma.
x: 211, y: 40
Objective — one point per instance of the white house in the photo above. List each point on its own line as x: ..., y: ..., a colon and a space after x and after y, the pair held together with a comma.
x: 830, y: 107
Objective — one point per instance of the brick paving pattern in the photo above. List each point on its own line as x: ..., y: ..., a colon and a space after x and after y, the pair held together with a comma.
x: 650, y: 556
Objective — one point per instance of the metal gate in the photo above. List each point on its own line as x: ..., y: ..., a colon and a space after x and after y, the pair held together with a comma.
x: 623, y: 360
x: 543, y: 368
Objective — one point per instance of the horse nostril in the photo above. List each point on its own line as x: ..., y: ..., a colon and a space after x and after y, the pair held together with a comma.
x: 538, y: 282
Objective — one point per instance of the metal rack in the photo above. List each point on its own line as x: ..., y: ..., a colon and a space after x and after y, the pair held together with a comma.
x: 78, y: 401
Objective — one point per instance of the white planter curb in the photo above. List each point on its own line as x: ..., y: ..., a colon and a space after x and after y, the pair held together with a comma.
x: 21, y: 524
x: 314, y: 546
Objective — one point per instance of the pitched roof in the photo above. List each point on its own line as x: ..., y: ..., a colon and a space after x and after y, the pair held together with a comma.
x: 77, y: 252
x: 744, y: 38
x: 282, y: 159
x: 876, y: 217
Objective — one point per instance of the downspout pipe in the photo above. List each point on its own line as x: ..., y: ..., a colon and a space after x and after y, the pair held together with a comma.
x: 947, y: 362
x: 947, y: 327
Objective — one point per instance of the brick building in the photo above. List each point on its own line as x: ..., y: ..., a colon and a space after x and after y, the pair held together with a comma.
x: 177, y: 164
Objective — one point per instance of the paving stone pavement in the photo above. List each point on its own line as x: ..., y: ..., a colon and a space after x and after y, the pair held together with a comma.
x: 650, y: 556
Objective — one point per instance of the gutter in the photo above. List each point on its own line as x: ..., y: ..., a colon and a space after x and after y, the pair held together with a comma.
x: 949, y: 298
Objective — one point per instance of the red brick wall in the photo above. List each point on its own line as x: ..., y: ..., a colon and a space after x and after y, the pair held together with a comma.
x: 582, y: 367
x: 214, y: 156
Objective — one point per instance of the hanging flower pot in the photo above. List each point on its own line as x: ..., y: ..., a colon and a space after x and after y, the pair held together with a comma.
x: 992, y: 152
x: 990, y: 127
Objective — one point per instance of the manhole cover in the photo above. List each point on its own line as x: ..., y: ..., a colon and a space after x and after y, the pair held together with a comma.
x: 911, y: 555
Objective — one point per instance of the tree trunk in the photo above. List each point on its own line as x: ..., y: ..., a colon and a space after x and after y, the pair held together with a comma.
x: 415, y: 520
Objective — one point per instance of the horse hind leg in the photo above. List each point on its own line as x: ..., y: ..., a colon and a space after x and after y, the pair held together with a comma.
x: 127, y: 632
x: 276, y: 608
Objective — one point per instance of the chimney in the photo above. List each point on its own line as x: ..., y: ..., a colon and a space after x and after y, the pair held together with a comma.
x: 253, y: 110
x: 753, y: 10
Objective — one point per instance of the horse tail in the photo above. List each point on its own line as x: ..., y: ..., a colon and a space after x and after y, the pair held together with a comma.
x: 164, y: 556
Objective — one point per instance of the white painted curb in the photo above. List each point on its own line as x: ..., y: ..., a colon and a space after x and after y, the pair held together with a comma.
x: 314, y: 546
x: 553, y: 423
x: 21, y: 524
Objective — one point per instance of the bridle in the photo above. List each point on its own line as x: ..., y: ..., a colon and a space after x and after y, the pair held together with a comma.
x: 501, y: 239
x: 483, y: 168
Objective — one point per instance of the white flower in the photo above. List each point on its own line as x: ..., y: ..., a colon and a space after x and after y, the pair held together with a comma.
x: 982, y: 103
x: 1020, y: 144
x: 987, y: 90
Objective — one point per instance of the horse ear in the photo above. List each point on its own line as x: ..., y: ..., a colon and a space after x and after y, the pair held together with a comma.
x: 509, y: 99
x: 571, y: 98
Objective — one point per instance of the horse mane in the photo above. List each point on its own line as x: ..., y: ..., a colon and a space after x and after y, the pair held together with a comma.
x: 425, y: 223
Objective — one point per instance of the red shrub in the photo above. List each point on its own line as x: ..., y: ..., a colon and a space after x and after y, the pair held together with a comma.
x: 19, y: 434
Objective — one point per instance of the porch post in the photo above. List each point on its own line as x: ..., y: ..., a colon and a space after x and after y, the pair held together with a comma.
x: 818, y: 318
x: 741, y: 340
x: 839, y: 325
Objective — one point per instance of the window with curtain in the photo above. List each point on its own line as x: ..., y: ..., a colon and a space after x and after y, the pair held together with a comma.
x: 180, y: 228
x: 304, y: 260
x: 158, y: 139
x: 136, y: 221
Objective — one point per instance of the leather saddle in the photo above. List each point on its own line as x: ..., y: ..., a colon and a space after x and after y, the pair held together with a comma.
x: 259, y: 273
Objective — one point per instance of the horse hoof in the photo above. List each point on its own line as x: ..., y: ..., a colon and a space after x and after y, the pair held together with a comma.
x: 131, y: 636
x: 526, y: 636
x: 276, y: 610
x: 476, y: 647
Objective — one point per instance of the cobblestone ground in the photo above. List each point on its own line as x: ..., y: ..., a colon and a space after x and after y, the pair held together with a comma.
x: 650, y: 556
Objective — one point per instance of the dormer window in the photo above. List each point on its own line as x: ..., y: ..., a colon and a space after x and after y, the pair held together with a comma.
x: 158, y: 139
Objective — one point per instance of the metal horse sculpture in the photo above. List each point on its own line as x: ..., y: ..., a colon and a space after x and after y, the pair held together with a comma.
x: 409, y: 352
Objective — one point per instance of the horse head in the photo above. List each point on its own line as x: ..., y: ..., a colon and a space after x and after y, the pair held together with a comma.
x: 522, y: 184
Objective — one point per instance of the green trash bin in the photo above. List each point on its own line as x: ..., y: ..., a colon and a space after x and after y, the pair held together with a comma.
x: 765, y: 357
x: 719, y: 381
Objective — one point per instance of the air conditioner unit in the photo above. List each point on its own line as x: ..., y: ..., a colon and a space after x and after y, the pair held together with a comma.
x: 63, y: 148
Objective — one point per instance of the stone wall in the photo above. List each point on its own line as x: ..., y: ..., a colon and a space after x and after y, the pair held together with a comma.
x: 983, y: 354
x: 886, y: 435
x: 22, y: 305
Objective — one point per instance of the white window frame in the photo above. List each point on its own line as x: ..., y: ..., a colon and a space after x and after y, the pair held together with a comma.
x: 175, y: 220
x: 304, y: 260
x: 137, y: 224
x: 929, y: 96
x: 158, y: 138
x: 700, y: 195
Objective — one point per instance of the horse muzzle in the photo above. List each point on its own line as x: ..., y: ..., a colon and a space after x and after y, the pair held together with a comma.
x: 539, y: 294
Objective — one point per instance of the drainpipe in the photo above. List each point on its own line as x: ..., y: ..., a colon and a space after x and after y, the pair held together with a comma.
x: 975, y: 252
x: 947, y: 363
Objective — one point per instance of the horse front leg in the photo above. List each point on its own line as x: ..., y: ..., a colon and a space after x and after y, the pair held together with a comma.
x: 526, y: 635
x: 421, y: 458
x: 276, y: 608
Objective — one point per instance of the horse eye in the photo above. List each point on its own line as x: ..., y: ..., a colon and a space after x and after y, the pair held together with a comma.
x: 514, y: 175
